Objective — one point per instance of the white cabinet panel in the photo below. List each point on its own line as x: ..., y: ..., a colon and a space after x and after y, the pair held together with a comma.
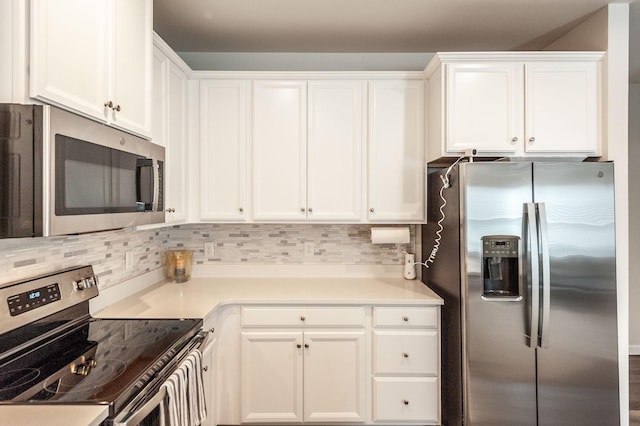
x: 159, y: 111
x: 405, y: 352
x: 223, y: 150
x: 561, y: 107
x: 410, y: 399
x: 279, y: 155
x: 334, y: 376
x: 176, y: 168
x: 271, y: 375
x: 70, y: 48
x: 94, y: 58
x: 481, y: 107
x: 335, y: 150
x: 396, y: 151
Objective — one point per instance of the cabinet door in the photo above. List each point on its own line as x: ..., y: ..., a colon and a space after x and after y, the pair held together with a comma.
x: 223, y: 141
x: 334, y: 150
x: 69, y: 50
x: 484, y: 107
x: 271, y: 377
x: 562, y: 107
x: 176, y: 146
x: 334, y: 376
x: 396, y: 151
x: 208, y: 369
x: 279, y: 155
x: 159, y: 110
x: 130, y: 85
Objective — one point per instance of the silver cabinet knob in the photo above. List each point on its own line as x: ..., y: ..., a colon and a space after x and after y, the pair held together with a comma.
x: 405, y: 402
x: 302, y: 209
x: 241, y: 210
x: 405, y: 355
x: 117, y: 108
x: 372, y: 210
x: 310, y: 210
x: 405, y: 319
x: 514, y: 139
x: 306, y: 345
x: 171, y: 210
x: 532, y: 139
x: 302, y: 318
x: 298, y: 345
x: 205, y: 368
x: 108, y: 104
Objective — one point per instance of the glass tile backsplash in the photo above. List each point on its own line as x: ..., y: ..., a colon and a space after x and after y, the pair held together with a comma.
x: 247, y: 244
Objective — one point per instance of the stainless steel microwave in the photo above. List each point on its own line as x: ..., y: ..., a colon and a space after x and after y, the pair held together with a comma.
x: 61, y: 173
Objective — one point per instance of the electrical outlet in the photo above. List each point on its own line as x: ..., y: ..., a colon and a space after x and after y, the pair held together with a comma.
x: 128, y: 260
x: 209, y: 249
x: 308, y: 249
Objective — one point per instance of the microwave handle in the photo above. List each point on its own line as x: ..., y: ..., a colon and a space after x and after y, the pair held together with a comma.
x: 158, y: 185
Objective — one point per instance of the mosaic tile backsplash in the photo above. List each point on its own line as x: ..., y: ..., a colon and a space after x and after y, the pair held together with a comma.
x: 246, y: 244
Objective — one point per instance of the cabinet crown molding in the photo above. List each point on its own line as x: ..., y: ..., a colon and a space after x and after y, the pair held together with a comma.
x: 308, y: 75
x: 537, y: 56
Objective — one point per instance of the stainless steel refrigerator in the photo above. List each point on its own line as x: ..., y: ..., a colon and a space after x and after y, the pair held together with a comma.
x: 526, y: 267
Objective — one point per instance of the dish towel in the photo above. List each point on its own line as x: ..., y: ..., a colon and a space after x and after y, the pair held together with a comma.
x: 184, y: 403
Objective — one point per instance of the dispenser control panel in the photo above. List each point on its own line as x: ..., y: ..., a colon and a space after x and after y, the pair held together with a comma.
x: 500, y: 246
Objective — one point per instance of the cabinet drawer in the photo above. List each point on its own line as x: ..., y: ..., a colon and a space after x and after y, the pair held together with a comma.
x: 405, y: 352
x: 302, y: 316
x: 406, y: 400
x: 405, y: 316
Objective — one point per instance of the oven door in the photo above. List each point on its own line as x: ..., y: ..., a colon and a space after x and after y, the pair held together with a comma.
x: 145, y: 409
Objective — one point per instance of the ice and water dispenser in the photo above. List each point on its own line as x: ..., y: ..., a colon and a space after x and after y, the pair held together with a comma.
x: 501, y: 267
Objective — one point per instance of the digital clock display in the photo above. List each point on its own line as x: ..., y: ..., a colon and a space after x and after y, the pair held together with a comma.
x: 30, y: 300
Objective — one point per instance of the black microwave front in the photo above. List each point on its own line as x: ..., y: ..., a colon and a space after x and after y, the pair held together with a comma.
x: 82, y: 176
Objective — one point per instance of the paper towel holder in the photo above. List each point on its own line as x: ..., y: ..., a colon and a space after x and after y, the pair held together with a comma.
x: 390, y: 235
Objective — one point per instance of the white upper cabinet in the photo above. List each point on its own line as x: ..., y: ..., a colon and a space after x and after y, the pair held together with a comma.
x: 223, y: 150
x: 279, y: 151
x: 169, y: 125
x: 307, y: 150
x: 514, y: 104
x: 335, y: 150
x: 94, y: 58
x: 396, y: 151
x: 561, y: 108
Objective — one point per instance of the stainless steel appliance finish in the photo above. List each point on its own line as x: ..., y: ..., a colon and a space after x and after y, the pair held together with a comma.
x: 548, y: 355
x: 65, y: 174
x: 53, y: 352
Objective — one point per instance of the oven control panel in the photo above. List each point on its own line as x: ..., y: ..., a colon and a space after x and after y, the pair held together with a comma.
x: 33, y: 299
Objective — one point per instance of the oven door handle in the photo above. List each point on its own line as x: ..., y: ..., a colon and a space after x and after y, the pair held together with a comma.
x: 127, y: 419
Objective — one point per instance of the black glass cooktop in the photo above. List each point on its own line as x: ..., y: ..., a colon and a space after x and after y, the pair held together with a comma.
x: 99, y: 362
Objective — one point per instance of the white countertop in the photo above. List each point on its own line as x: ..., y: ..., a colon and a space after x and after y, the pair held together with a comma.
x: 53, y: 415
x: 199, y: 297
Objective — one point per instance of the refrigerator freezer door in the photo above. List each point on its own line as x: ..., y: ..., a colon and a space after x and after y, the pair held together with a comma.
x: 500, y: 365
x: 577, y: 372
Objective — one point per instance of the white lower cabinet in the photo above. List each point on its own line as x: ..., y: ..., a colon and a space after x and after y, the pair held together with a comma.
x: 303, y: 371
x: 406, y: 365
x: 312, y: 364
x: 208, y: 375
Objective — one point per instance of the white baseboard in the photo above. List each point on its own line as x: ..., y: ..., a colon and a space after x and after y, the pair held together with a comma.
x: 634, y: 349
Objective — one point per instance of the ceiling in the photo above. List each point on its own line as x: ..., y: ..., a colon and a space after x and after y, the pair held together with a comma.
x: 375, y: 26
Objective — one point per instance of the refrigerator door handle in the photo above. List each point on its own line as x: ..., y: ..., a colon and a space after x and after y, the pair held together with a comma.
x: 531, y: 248
x: 546, y: 274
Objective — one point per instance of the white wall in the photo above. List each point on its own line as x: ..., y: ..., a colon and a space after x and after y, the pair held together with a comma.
x: 608, y: 30
x: 634, y: 226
